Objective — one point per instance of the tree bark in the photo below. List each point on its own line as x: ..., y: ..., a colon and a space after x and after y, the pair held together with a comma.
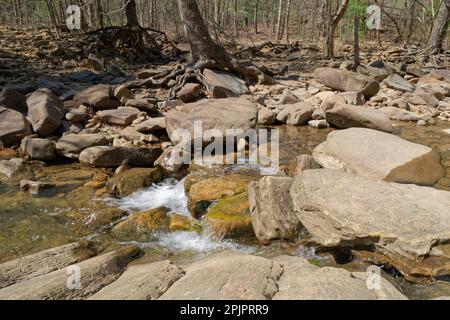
x: 278, y: 30
x: 131, y: 14
x: 332, y: 26
x: 286, y: 20
x: 440, y: 27
x: 256, y: 16
x: 203, y: 48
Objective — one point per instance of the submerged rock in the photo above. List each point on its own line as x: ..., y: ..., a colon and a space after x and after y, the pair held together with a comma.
x: 405, y: 224
x: 230, y: 218
x: 380, y: 156
x: 133, y: 180
x: 142, y: 226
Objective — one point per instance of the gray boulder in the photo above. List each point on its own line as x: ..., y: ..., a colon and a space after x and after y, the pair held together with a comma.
x: 45, y: 112
x: 379, y: 156
x: 224, y: 85
x: 39, y: 149
x: 71, y: 145
x: 107, y: 156
x: 13, y: 127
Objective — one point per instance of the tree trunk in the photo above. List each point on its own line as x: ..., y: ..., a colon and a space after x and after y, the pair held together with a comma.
x: 440, y: 27
x: 332, y: 26
x: 278, y: 30
x: 256, y: 16
x: 286, y: 20
x: 203, y: 48
x: 131, y: 14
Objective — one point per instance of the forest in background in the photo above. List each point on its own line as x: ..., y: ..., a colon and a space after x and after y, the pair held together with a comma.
x: 241, y: 21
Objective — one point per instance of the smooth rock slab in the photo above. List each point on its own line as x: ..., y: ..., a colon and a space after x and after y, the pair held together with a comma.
x: 304, y: 281
x: 399, y: 83
x: 345, y: 116
x: 44, y: 262
x: 227, y: 276
x: 141, y: 282
x: 224, y: 85
x: 107, y: 156
x: 403, y: 223
x: 381, y: 156
x: 347, y: 81
x: 95, y: 274
x: 400, y: 114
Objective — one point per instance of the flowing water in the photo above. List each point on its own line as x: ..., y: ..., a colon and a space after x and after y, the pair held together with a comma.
x: 29, y: 224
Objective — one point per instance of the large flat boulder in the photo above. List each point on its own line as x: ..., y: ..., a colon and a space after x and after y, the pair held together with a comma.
x: 71, y: 145
x: 407, y: 226
x: 141, y: 282
x: 44, y: 262
x: 220, y: 114
x: 13, y: 127
x: 399, y: 83
x: 224, y: 85
x: 345, y: 116
x: 303, y: 281
x: 227, y: 276
x: 133, y: 180
x: 400, y: 114
x: 95, y: 273
x: 273, y: 215
x: 347, y: 81
x: 107, y: 156
x: 45, y: 112
x: 381, y: 156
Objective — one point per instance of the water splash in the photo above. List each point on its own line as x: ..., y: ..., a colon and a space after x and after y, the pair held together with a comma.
x: 169, y: 193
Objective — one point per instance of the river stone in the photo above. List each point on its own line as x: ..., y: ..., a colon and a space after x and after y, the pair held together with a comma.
x: 14, y: 170
x: 133, y: 180
x: 99, y: 96
x: 220, y: 114
x: 399, y: 83
x: 301, y: 163
x: 71, y: 145
x: 13, y: 127
x: 224, y: 85
x: 142, y: 226
x: 400, y: 114
x: 38, y: 149
x: 303, y: 281
x: 227, y: 276
x: 45, y: 112
x: 13, y: 100
x: 151, y: 125
x: 345, y: 116
x: 271, y: 209
x: 44, y: 262
x: 141, y: 282
x: 190, y: 92
x: 424, y: 98
x: 230, y: 218
x: 381, y: 156
x: 447, y: 131
x: 95, y: 274
x: 266, y: 116
x: 296, y: 114
x: 347, y: 81
x: 122, y: 116
x: 406, y: 224
x: 202, y: 191
x: 107, y: 156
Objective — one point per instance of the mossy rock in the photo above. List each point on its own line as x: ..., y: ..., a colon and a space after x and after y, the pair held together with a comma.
x: 230, y: 218
x: 180, y: 222
x: 142, y: 226
x: 203, y: 191
x: 133, y: 180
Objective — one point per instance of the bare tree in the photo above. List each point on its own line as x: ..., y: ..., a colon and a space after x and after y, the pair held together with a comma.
x: 332, y: 24
x: 131, y: 14
x: 440, y: 27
